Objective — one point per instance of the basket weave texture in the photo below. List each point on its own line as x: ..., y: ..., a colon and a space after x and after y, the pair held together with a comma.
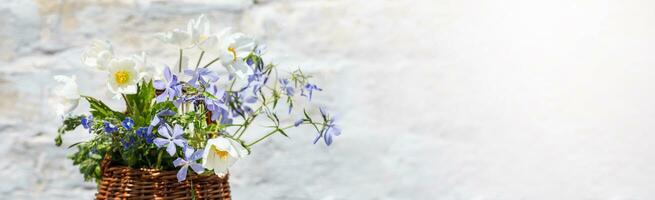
x: 120, y: 182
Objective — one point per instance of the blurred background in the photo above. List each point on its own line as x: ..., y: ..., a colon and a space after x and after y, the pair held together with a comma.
x: 438, y: 99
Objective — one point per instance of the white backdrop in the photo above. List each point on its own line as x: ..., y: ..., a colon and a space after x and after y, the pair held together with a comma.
x: 439, y: 99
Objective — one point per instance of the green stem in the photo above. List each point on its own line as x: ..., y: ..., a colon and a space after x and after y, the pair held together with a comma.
x: 200, y: 59
x: 193, y: 190
x: 268, y: 135
x: 127, y: 104
x: 245, y: 126
x: 210, y: 63
x: 180, y: 62
x: 161, y: 153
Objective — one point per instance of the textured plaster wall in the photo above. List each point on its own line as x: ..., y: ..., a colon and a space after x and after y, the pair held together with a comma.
x: 439, y: 99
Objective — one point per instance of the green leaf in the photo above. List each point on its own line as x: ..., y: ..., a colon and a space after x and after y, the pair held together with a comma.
x: 306, y: 115
x: 141, y: 103
x: 276, y: 97
x: 75, y: 144
x: 283, y: 133
x: 70, y: 123
x: 100, y: 110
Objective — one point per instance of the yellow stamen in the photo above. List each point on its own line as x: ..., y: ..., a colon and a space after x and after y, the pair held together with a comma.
x: 202, y: 37
x: 220, y: 153
x: 121, y: 77
x: 234, y: 53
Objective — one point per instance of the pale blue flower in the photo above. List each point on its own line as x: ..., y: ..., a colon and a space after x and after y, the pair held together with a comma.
x: 256, y: 80
x: 217, y: 105
x: 329, y: 130
x: 171, y: 86
x: 190, y: 160
x: 202, y: 75
x: 249, y: 61
x: 286, y: 87
x: 157, y: 119
x: 170, y: 140
x: 298, y: 122
x: 310, y: 89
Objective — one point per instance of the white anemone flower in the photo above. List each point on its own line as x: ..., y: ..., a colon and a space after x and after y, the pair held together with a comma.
x: 98, y: 55
x: 201, y: 34
x: 67, y: 95
x: 233, y: 49
x: 146, y: 70
x: 123, y: 76
x: 220, y: 154
x: 180, y: 38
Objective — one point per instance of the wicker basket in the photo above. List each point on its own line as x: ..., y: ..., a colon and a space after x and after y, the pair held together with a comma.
x: 120, y: 182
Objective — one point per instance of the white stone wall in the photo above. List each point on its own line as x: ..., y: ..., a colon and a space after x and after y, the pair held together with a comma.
x: 439, y: 99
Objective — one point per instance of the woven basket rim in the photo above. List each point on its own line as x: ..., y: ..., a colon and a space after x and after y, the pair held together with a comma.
x: 124, y: 182
x: 159, y: 172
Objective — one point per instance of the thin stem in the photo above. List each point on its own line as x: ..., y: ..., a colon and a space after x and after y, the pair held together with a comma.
x: 180, y: 63
x: 127, y: 104
x: 269, y: 134
x: 200, y: 59
x: 161, y: 153
x: 245, y: 125
x: 212, y: 62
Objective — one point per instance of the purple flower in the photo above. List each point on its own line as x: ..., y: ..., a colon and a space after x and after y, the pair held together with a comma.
x: 109, y: 128
x: 157, y: 120
x: 217, y: 98
x: 256, y: 80
x: 250, y: 61
x: 222, y: 115
x: 128, y: 123
x: 87, y: 122
x: 143, y: 133
x: 299, y: 122
x: 170, y: 140
x: 310, y: 88
x: 217, y: 105
x: 329, y: 130
x: 189, y: 160
x: 288, y: 89
x: 243, y: 103
x: 199, y: 75
x: 170, y: 86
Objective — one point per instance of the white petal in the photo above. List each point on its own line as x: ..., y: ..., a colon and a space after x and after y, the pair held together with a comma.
x: 209, y: 44
x: 96, y: 55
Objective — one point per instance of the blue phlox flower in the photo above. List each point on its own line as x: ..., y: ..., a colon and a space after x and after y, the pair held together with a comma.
x: 190, y: 160
x: 170, y: 139
x: 329, y: 130
x: 310, y: 89
x: 249, y: 61
x: 201, y: 75
x: 170, y: 85
x: 298, y: 122
x: 286, y: 87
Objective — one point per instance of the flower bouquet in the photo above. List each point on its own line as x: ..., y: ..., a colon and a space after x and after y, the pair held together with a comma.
x: 183, y: 126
